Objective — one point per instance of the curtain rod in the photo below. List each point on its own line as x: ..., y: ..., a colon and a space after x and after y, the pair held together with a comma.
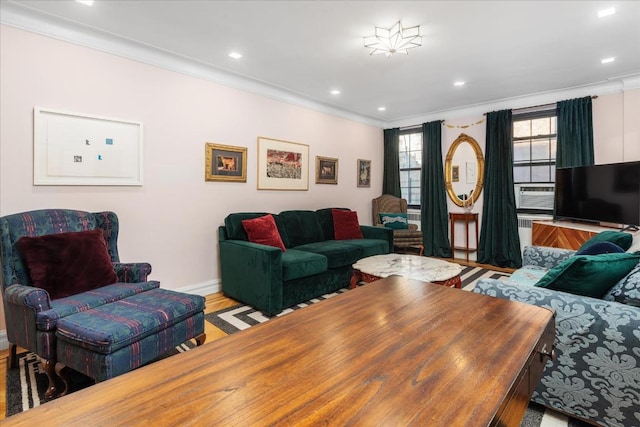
x: 543, y: 105
x: 418, y: 126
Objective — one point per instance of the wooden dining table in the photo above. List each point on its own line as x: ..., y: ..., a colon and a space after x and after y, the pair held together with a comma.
x: 393, y: 352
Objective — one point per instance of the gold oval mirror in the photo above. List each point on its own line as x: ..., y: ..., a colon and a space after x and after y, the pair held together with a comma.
x: 464, y: 170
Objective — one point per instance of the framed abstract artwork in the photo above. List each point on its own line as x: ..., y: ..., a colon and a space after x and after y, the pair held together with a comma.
x: 326, y: 170
x: 81, y: 149
x: 225, y: 163
x: 364, y: 173
x: 282, y: 165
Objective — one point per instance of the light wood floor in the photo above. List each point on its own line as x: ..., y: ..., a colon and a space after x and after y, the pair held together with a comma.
x: 215, y: 302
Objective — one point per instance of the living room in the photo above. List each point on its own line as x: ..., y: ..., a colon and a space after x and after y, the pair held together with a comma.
x: 171, y: 220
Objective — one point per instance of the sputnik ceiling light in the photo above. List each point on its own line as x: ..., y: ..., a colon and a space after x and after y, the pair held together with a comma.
x: 393, y: 40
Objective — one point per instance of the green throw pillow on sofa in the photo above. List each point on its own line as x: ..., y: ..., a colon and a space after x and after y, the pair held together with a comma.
x: 589, y: 275
x: 397, y: 221
x: 619, y: 238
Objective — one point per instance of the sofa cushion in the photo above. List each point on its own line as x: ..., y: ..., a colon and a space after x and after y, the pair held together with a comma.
x: 233, y: 224
x: 325, y: 217
x: 528, y: 275
x: 46, y: 320
x: 600, y: 248
x: 263, y: 230
x: 296, y: 264
x: 589, y: 275
x: 370, y: 247
x: 66, y: 264
x: 627, y: 290
x: 346, y: 225
x: 621, y: 239
x: 301, y: 227
x: 395, y: 221
x: 338, y: 253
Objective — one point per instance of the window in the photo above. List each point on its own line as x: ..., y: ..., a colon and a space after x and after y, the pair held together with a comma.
x: 534, y: 147
x: 410, y: 148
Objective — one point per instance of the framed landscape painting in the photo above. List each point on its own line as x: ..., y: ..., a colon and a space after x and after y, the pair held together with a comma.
x: 225, y: 163
x: 282, y: 165
x: 364, y: 173
x: 326, y: 170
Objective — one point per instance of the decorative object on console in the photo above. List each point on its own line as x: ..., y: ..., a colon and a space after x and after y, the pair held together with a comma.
x: 364, y: 173
x: 326, y: 170
x: 225, y: 163
x: 393, y: 40
x: 80, y: 149
x: 282, y: 165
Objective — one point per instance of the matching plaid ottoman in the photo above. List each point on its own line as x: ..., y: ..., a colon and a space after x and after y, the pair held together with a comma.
x: 118, y: 337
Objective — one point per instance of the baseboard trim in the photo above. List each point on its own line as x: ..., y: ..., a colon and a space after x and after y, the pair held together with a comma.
x: 202, y: 289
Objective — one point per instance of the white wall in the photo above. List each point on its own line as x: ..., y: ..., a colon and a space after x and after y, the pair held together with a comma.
x: 171, y: 221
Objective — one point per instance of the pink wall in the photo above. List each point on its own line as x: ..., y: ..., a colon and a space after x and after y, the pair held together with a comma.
x: 171, y: 221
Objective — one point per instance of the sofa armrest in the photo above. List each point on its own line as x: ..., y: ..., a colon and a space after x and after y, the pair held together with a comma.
x: 30, y: 297
x: 133, y: 272
x: 546, y: 257
x: 252, y: 273
x: 596, y: 371
x: 375, y: 232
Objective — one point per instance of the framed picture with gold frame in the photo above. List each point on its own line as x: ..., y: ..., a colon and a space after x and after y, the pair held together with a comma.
x: 326, y: 170
x: 225, y: 163
x: 364, y: 173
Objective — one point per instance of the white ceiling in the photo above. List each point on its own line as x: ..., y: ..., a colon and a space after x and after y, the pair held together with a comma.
x: 303, y: 49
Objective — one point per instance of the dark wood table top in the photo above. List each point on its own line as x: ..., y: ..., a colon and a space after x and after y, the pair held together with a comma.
x: 393, y: 352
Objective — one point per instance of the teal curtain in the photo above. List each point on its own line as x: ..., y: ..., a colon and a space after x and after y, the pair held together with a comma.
x: 575, y: 133
x: 433, y: 194
x: 499, y: 241
x: 391, y: 167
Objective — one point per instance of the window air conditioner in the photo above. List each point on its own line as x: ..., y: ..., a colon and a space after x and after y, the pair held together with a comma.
x: 535, y: 196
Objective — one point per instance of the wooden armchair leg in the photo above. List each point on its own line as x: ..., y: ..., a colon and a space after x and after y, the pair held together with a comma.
x: 62, y: 373
x: 49, y: 369
x: 12, y: 360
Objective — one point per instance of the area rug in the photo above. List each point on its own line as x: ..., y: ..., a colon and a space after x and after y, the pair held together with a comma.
x: 27, y: 384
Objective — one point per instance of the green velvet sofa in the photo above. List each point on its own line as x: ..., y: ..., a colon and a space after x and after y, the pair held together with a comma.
x: 313, y: 264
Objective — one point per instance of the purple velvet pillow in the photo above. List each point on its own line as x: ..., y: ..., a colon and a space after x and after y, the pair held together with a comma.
x: 66, y: 264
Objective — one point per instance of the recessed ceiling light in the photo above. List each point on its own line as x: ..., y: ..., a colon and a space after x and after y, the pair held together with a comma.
x: 606, y: 12
x: 235, y: 55
x: 335, y: 92
x: 608, y: 60
x: 86, y: 2
x: 458, y: 83
x: 382, y: 108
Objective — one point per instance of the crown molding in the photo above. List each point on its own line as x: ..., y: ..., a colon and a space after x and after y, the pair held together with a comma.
x: 35, y: 21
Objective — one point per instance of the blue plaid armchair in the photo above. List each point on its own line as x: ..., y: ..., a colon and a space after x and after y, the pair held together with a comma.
x: 31, y: 314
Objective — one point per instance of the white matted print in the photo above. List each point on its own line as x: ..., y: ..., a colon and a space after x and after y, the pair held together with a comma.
x: 80, y: 149
x: 282, y: 165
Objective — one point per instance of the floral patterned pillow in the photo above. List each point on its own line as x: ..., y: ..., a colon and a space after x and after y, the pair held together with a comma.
x: 627, y: 290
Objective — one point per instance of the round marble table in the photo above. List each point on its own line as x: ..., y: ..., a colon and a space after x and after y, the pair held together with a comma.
x: 410, y: 266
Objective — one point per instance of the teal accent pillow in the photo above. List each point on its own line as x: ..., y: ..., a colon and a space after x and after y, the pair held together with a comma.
x: 397, y: 221
x: 589, y: 275
x: 619, y: 238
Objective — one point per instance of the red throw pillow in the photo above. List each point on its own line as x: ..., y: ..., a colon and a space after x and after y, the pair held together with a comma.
x: 67, y: 264
x: 345, y: 225
x: 263, y: 230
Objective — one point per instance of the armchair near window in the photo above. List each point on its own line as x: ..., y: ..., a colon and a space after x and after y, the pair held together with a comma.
x: 31, y: 312
x: 402, y: 237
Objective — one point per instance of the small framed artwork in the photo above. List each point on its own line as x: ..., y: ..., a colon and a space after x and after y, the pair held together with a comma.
x: 471, y: 172
x: 225, y: 163
x: 326, y: 170
x: 282, y: 165
x: 364, y: 173
x: 455, y: 173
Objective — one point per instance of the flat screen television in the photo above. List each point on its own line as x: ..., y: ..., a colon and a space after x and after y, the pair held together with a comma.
x: 599, y: 193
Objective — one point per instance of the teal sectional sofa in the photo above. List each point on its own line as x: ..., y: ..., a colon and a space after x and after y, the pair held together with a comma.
x: 313, y: 264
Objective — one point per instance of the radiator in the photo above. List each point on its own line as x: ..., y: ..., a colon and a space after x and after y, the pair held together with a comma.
x: 525, y: 225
